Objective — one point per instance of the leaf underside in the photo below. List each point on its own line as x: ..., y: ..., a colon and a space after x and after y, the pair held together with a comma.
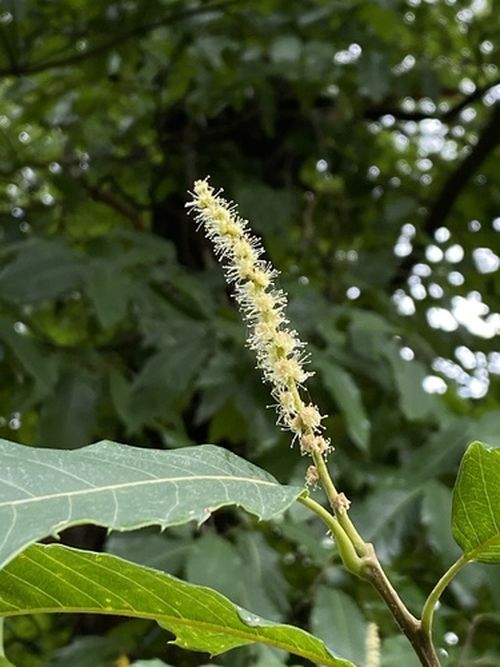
x: 55, y: 578
x: 43, y: 491
x: 476, y: 504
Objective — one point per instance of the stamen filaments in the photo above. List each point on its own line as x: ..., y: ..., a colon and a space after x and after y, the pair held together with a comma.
x: 278, y: 349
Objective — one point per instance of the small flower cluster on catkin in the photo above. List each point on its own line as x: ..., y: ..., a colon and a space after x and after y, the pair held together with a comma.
x: 279, y: 351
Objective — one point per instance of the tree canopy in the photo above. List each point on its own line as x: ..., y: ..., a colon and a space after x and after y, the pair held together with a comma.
x: 361, y: 140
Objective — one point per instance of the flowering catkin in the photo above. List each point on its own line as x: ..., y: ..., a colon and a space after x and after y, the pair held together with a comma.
x: 372, y: 646
x: 279, y: 351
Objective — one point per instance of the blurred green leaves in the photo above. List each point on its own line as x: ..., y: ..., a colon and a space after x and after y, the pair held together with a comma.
x: 348, y: 399
x: 108, y: 289
x: 40, y: 271
x: 334, y: 610
x: 250, y: 576
x: 337, y: 127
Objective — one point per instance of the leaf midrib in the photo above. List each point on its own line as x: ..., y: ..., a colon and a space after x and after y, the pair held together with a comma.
x: 475, y: 554
x: 132, y: 612
x: 127, y: 485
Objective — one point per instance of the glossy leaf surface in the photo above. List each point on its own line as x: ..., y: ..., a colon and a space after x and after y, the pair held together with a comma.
x: 55, y: 578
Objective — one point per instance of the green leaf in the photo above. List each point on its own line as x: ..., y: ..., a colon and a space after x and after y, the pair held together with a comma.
x: 416, y: 403
x: 382, y: 508
x: 435, y: 513
x: 338, y: 621
x: 40, y: 366
x: 440, y: 454
x: 41, y: 270
x: 68, y: 417
x: 269, y: 208
x: 267, y: 656
x: 43, y: 491
x: 374, y: 75
x: 54, y: 579
x: 266, y: 589
x: 90, y: 652
x: 348, y: 397
x: 162, y: 551
x: 250, y: 577
x: 286, y: 49
x: 385, y: 517
x: 203, y: 566
x: 396, y: 651
x: 397, y: 207
x: 167, y: 375
x: 121, y: 394
x: 476, y: 504
x: 108, y: 288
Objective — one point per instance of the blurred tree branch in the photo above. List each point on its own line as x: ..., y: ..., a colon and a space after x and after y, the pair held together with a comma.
x: 458, y: 179
x: 374, y: 113
x: 117, y: 203
x: 449, y: 193
x: 19, y: 69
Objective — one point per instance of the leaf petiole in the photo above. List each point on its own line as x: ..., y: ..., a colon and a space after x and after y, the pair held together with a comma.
x: 435, y: 594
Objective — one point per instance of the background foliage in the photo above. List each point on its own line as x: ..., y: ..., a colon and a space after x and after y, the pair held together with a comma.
x: 361, y: 139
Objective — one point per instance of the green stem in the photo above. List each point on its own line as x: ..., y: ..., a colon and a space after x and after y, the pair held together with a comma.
x: 343, y: 518
x: 348, y: 554
x: 359, y: 557
x: 332, y: 493
x: 411, y: 626
x: 369, y: 568
x: 430, y: 603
